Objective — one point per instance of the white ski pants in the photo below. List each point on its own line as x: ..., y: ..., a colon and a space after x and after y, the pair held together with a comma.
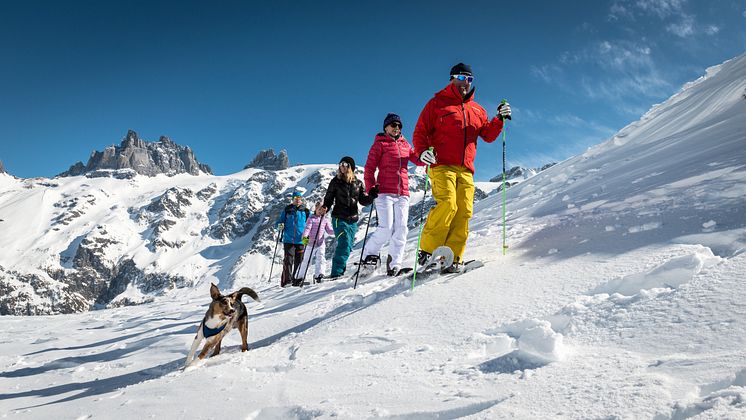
x: 319, y: 252
x: 393, y: 214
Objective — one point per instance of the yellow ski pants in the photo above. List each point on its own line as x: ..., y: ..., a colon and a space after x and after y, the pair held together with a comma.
x: 448, y: 222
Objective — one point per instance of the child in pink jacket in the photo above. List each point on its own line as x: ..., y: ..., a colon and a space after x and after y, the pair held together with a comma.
x: 318, y: 227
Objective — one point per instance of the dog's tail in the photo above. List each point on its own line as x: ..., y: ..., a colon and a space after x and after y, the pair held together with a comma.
x: 247, y: 291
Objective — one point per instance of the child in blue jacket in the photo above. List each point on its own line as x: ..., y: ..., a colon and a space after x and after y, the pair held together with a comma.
x: 292, y: 221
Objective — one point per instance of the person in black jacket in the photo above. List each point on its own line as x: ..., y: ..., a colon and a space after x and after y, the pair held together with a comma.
x: 344, y: 193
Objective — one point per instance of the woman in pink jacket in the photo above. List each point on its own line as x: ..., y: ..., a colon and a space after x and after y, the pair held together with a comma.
x: 390, y: 156
x: 318, y: 227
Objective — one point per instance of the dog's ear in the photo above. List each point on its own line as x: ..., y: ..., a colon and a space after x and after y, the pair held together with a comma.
x: 214, y: 292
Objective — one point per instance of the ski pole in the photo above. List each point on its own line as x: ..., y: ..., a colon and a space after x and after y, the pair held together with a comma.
x: 505, y: 243
x: 274, y: 254
x: 422, y: 216
x: 365, y: 238
x: 313, y: 248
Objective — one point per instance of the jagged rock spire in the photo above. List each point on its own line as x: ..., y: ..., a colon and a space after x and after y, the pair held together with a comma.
x: 145, y: 158
x: 266, y: 159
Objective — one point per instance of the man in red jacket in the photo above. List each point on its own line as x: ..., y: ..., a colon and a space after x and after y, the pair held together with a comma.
x: 450, y: 123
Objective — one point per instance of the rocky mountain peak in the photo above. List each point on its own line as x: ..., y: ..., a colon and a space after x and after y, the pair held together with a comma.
x: 2, y: 168
x: 266, y: 159
x: 167, y: 141
x: 142, y: 157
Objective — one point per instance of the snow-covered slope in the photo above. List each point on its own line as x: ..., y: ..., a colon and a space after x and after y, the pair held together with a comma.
x: 621, y: 296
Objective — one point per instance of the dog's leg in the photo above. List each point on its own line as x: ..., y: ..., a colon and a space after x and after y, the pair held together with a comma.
x: 195, y: 344
x: 217, y: 346
x: 243, y: 328
x: 208, y: 345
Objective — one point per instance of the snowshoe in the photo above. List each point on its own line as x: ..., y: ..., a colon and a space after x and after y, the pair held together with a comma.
x: 337, y: 277
x: 370, y: 260
x: 460, y: 268
x: 440, y: 258
x: 368, y: 266
x: 403, y: 271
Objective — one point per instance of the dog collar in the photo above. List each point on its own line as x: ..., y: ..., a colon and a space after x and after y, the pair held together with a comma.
x: 208, y: 332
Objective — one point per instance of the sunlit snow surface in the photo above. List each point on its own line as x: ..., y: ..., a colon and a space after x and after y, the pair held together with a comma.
x: 621, y: 296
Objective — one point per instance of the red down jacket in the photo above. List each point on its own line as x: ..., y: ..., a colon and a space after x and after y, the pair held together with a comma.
x: 391, y: 158
x: 451, y: 125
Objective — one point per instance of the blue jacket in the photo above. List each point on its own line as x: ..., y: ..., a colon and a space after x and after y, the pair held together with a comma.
x: 294, y: 218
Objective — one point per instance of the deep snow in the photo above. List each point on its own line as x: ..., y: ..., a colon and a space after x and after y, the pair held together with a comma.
x: 621, y: 296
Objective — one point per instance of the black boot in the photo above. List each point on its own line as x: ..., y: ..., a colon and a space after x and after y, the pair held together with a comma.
x: 391, y: 271
x: 373, y: 260
x: 423, y: 257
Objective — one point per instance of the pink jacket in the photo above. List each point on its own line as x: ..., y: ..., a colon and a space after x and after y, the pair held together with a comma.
x: 391, y: 158
x: 312, y: 228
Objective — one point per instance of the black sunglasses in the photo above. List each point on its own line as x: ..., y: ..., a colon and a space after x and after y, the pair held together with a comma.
x: 396, y: 125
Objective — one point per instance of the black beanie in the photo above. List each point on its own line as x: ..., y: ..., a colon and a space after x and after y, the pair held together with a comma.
x: 391, y: 117
x: 461, y: 68
x: 349, y: 160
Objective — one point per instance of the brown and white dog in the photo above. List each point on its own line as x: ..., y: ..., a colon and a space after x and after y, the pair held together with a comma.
x: 223, y: 314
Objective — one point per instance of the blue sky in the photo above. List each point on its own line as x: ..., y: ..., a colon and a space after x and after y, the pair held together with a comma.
x: 317, y: 78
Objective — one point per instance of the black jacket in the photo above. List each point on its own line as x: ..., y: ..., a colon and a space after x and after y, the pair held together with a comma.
x: 345, y: 198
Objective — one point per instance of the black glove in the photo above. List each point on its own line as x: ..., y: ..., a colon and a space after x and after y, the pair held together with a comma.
x: 503, y: 111
x: 373, y: 193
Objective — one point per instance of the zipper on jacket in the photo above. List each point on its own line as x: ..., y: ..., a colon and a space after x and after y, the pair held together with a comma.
x: 463, y: 156
x: 398, y: 170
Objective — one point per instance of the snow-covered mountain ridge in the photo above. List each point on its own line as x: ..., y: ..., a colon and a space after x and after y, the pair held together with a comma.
x: 76, y: 243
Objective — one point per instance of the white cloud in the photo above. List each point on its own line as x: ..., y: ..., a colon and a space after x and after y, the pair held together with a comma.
x: 547, y: 72
x: 629, y: 9
x: 712, y: 30
x: 672, y: 13
x: 621, y: 56
x: 624, y: 87
x: 660, y: 8
x: 744, y: 13
x: 618, y: 10
x: 620, y: 73
x: 683, y: 28
x: 556, y: 134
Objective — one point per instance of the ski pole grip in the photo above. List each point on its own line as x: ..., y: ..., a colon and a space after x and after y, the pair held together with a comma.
x: 503, y: 102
